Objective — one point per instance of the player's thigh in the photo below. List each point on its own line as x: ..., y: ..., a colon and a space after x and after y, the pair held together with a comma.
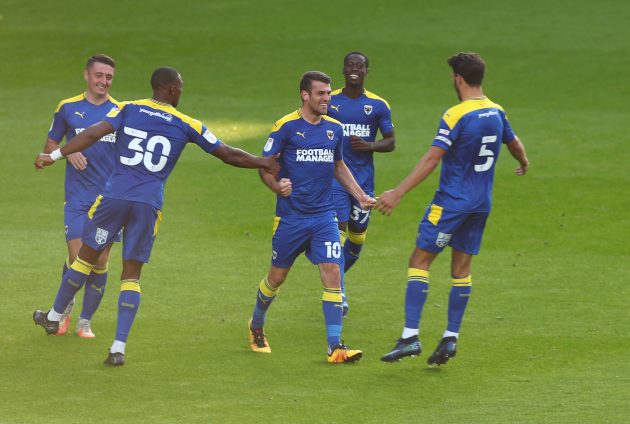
x: 75, y: 215
x: 437, y: 227
x: 324, y: 245
x: 359, y: 217
x: 141, y: 229
x: 290, y: 238
x: 468, y: 236
x: 106, y: 217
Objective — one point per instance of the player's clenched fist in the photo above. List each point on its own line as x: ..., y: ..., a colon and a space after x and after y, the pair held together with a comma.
x: 42, y: 160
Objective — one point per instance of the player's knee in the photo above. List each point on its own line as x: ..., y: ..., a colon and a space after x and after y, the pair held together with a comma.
x: 276, y: 277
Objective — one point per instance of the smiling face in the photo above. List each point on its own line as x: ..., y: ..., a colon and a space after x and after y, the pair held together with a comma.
x: 355, y: 69
x: 318, y: 98
x: 99, y: 78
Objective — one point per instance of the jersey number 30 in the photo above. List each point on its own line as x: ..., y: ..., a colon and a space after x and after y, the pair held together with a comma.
x: 145, y: 155
x: 487, y: 153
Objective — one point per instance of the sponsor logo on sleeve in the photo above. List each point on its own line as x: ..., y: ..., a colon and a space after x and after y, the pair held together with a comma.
x: 211, y: 138
x: 268, y: 145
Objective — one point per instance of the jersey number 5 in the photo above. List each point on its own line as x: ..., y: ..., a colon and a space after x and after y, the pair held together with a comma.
x: 487, y: 153
x: 145, y: 155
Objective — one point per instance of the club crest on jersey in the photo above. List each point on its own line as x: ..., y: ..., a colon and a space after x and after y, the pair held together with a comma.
x: 443, y: 239
x: 330, y: 134
x: 367, y: 109
x: 268, y: 144
x: 101, y: 236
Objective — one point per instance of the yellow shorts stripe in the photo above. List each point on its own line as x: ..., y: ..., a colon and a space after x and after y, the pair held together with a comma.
x: 81, y: 266
x: 129, y: 285
x: 435, y: 214
x: 94, y: 206
x: 276, y: 222
x: 461, y: 282
x: 357, y: 238
x: 266, y: 289
x: 158, y: 220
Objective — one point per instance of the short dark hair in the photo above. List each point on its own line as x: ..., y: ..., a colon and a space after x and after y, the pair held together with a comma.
x: 163, y: 77
x: 470, y: 66
x: 367, y: 60
x: 100, y: 58
x: 308, y: 77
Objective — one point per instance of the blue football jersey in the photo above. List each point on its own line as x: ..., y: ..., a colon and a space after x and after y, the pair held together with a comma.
x: 151, y: 137
x: 472, y: 133
x: 308, y: 155
x: 72, y: 116
x: 363, y: 117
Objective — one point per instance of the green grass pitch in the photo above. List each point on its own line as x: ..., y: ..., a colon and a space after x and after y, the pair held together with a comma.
x: 546, y: 335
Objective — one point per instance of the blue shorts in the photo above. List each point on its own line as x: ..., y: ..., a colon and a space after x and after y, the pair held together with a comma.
x: 75, y: 215
x: 317, y: 236
x: 440, y: 228
x: 139, y: 223
x: 349, y: 210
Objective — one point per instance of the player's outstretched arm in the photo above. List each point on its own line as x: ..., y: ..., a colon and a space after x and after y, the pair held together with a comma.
x: 517, y: 150
x: 242, y: 159
x: 388, y: 201
x: 80, y: 142
x: 345, y: 178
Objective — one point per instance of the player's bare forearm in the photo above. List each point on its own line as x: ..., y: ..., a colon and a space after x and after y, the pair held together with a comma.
x: 241, y: 159
x: 517, y: 150
x: 422, y: 170
x: 270, y: 181
x: 88, y: 137
x: 345, y: 178
x: 50, y: 145
x: 387, y: 144
x: 77, y: 160
x: 388, y: 200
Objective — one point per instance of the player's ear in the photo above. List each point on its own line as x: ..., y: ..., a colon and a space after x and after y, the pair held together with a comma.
x: 85, y: 75
x: 304, y: 95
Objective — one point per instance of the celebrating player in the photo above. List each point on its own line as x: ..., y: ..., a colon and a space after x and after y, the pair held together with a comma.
x: 362, y: 114
x: 310, y: 144
x: 151, y: 136
x: 86, y: 174
x: 468, y: 141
